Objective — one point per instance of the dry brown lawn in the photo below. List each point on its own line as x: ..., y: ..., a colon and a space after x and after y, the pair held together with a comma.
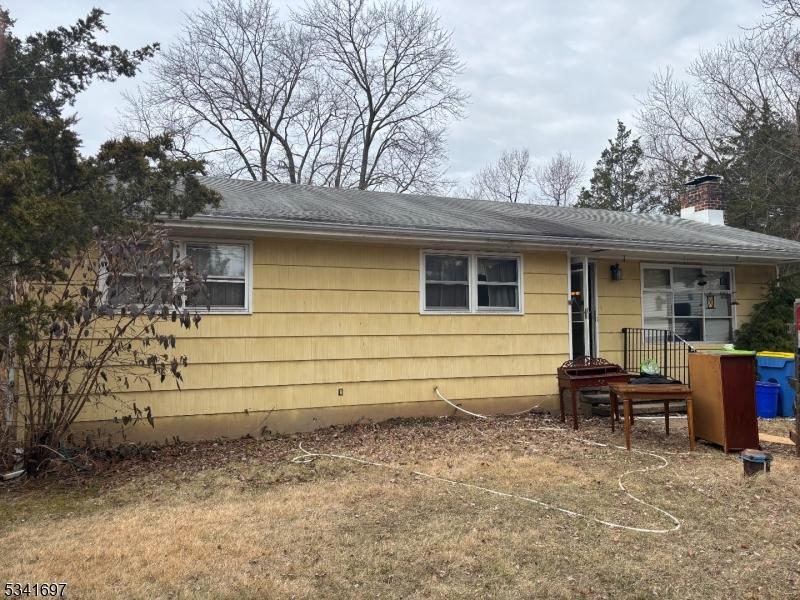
x: 238, y: 520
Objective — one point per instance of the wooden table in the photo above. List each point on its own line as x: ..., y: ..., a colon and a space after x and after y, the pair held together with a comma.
x: 586, y: 372
x: 630, y: 393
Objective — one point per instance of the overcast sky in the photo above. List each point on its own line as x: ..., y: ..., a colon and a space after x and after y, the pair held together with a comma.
x: 551, y: 76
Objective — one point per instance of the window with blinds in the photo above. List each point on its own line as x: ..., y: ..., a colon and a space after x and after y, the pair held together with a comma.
x: 694, y: 302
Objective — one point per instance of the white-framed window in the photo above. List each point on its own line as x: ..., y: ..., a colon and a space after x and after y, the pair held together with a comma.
x: 470, y: 282
x: 226, y: 266
x: 136, y: 287
x: 695, y: 302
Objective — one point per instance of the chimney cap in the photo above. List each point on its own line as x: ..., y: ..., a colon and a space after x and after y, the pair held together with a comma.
x: 705, y: 179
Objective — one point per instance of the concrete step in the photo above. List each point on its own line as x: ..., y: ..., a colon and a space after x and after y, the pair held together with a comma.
x: 598, y: 403
x: 595, y: 398
x: 642, y: 408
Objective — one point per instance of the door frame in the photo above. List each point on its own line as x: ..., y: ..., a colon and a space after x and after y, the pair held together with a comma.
x: 591, y: 334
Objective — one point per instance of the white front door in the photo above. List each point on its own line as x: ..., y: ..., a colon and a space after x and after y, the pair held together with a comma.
x: 583, y: 307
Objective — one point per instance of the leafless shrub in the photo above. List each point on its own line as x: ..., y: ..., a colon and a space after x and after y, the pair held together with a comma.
x: 92, y: 334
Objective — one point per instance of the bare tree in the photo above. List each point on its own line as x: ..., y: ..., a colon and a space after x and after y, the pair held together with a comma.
x: 558, y: 180
x: 685, y: 120
x: 677, y: 123
x: 347, y: 94
x: 232, y: 88
x: 507, y: 180
x: 394, y: 65
x: 737, y: 111
x: 782, y: 11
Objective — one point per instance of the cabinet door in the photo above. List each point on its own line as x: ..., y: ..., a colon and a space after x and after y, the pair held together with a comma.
x: 709, y: 421
x: 739, y: 383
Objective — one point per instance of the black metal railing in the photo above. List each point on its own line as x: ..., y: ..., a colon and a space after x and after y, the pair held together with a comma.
x: 666, y: 347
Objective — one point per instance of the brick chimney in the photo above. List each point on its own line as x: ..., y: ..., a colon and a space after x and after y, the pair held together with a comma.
x: 703, y: 200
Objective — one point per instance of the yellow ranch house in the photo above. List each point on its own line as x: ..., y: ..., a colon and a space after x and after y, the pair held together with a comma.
x: 337, y: 306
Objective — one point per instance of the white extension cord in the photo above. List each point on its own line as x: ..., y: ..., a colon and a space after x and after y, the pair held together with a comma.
x: 480, y: 416
x: 308, y: 457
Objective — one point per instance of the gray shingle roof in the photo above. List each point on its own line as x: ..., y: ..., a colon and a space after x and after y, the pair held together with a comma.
x: 300, y: 207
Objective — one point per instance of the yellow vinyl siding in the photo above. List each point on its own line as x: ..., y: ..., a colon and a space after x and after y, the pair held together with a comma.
x: 369, y: 301
x: 751, y: 287
x: 336, y: 324
x: 304, y: 253
x: 280, y: 373
x: 619, y: 305
x: 311, y: 348
x: 287, y: 277
x: 329, y: 316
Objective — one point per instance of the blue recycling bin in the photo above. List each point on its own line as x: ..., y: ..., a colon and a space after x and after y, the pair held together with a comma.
x: 767, y: 399
x: 778, y: 367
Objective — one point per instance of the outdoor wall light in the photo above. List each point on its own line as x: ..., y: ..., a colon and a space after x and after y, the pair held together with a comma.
x: 616, y: 272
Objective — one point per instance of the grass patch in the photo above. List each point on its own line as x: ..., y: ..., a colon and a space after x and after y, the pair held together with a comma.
x: 25, y: 505
x: 239, y: 520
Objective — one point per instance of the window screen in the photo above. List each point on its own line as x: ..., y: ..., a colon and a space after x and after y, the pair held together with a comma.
x: 134, y: 284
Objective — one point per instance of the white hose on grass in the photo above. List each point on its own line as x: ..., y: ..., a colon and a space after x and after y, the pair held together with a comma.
x: 12, y: 475
x: 308, y: 457
x: 664, y: 463
x: 473, y: 414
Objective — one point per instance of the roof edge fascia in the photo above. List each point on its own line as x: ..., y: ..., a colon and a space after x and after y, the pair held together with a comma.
x: 372, y: 233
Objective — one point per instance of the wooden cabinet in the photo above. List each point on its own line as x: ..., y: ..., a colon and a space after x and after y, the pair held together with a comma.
x: 723, y: 390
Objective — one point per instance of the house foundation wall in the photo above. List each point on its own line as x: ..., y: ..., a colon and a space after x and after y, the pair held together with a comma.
x: 237, y: 425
